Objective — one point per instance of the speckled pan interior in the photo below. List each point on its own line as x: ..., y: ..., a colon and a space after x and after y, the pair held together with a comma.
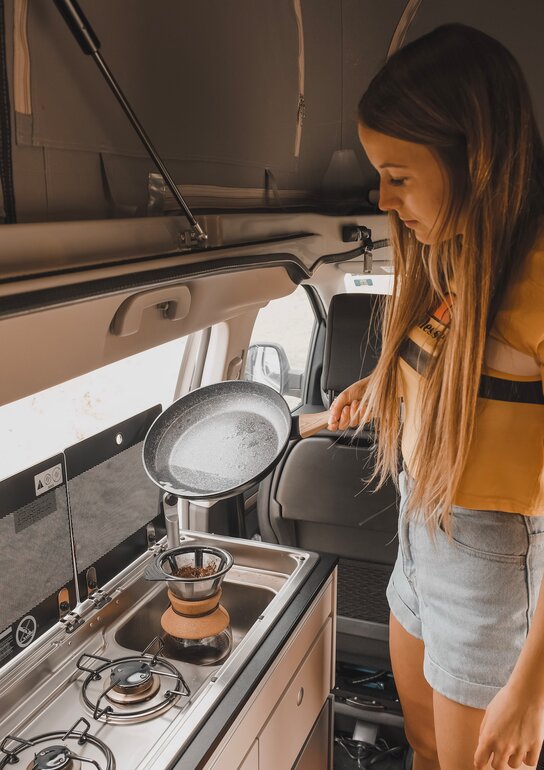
x: 217, y: 439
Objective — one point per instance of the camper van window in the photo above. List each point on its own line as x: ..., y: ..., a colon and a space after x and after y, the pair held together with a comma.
x: 47, y: 422
x: 280, y: 344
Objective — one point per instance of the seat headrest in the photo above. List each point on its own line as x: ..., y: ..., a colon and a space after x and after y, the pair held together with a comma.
x: 351, y: 348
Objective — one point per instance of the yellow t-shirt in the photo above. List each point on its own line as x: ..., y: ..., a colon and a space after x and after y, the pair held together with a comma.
x: 506, y: 455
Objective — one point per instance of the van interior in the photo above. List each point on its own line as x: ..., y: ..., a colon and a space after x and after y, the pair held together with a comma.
x: 190, y: 208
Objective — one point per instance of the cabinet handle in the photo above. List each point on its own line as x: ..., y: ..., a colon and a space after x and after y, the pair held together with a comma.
x: 300, y: 696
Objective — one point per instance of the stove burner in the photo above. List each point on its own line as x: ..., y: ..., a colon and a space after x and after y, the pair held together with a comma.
x: 130, y: 676
x: 57, y: 757
x: 132, y: 680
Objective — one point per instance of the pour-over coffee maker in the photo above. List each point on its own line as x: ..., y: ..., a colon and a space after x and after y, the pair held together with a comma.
x: 195, y: 623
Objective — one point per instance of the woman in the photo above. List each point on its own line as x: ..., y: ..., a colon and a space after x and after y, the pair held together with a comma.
x: 448, y: 124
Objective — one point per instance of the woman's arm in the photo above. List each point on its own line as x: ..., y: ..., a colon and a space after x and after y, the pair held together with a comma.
x: 512, y: 730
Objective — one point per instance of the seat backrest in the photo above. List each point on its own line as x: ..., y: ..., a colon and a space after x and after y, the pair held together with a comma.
x: 352, y: 347
x: 317, y: 497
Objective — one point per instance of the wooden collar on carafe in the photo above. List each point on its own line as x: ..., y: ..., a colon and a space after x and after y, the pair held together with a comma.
x: 198, y: 608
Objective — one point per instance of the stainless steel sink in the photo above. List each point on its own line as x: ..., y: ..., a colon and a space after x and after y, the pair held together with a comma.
x: 256, y: 589
x: 244, y: 603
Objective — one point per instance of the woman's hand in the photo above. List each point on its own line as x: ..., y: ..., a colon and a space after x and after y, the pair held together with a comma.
x: 512, y: 730
x: 343, y: 412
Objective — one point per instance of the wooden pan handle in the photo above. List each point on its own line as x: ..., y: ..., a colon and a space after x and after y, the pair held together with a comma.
x: 310, y: 424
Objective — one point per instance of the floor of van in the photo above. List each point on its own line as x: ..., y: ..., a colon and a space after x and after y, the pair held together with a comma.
x: 387, y: 752
x: 368, y: 721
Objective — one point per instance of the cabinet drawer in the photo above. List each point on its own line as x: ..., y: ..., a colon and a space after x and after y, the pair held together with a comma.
x: 251, y: 762
x: 317, y: 753
x: 283, y: 737
x: 268, y: 695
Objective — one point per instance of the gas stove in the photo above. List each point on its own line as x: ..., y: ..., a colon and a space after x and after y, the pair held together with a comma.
x: 127, y: 690
x: 58, y: 750
x: 131, y: 689
x: 105, y: 687
x: 89, y: 676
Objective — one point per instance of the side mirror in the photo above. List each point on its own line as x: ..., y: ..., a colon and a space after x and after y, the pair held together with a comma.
x: 267, y: 362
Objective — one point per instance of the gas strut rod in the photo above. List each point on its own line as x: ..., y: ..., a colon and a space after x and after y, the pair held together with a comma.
x: 90, y: 45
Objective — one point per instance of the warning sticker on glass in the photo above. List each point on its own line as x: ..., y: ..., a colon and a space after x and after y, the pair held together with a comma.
x: 34, y: 512
x: 26, y: 631
x: 48, y: 479
x: 7, y: 646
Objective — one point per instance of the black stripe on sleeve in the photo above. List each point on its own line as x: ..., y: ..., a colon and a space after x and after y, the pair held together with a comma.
x: 414, y: 355
x: 493, y: 388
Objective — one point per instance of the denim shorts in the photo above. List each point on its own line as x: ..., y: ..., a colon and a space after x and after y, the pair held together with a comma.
x: 470, y: 600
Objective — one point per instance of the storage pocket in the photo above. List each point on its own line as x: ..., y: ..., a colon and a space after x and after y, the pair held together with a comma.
x: 491, y: 535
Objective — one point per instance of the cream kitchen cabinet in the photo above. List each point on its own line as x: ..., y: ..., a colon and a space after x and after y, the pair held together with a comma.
x: 290, y: 712
x: 251, y: 762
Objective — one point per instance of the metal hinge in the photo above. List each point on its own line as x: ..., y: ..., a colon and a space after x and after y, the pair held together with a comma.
x: 72, y: 621
x: 99, y: 598
x: 351, y: 233
x: 188, y: 239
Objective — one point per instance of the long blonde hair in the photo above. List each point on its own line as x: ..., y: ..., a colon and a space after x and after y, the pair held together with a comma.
x: 462, y: 94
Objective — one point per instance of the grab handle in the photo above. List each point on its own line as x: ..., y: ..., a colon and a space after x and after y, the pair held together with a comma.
x: 173, y: 301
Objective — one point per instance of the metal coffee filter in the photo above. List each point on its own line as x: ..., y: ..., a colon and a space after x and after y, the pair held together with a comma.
x: 194, y: 556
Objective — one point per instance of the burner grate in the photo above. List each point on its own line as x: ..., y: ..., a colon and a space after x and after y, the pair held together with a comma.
x: 132, y: 680
x: 57, y: 756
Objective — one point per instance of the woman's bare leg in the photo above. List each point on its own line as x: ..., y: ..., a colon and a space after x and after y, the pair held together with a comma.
x: 415, y: 693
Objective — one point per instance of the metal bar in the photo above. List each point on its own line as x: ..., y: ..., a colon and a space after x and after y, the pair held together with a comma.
x: 82, y: 738
x: 82, y: 759
x: 241, y: 516
x: 129, y: 112
x: 92, y: 671
x: 90, y: 44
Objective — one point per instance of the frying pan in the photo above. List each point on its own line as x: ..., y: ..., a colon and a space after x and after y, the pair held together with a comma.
x: 221, y: 439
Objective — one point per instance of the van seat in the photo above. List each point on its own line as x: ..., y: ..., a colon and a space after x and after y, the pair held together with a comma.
x: 316, y: 497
